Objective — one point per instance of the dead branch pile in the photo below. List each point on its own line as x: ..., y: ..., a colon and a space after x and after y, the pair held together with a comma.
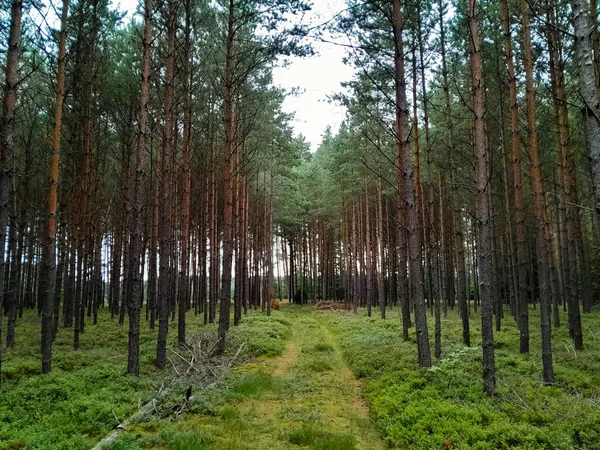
x: 198, y: 362
x: 332, y: 306
x: 196, y: 366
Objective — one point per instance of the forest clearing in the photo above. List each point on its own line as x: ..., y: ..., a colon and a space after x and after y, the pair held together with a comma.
x: 195, y: 253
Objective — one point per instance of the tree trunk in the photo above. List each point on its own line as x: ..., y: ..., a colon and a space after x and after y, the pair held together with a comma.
x: 10, y: 293
x: 184, y: 270
x: 368, y: 249
x: 543, y: 239
x: 380, y: 243
x: 7, y: 141
x: 571, y: 240
x: 407, y: 190
x: 137, y: 217
x: 153, y: 300
x: 47, y: 262
x: 522, y: 302
x: 166, y: 218
x: 225, y: 298
x: 587, y: 89
x: 482, y: 209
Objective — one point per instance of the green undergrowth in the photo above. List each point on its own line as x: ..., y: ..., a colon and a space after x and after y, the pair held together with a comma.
x: 292, y: 397
x: 445, y: 405
x: 318, y: 358
x: 88, y: 392
x: 261, y: 335
x: 309, y: 435
x: 250, y: 384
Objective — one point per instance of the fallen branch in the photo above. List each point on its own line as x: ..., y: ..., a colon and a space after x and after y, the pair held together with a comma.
x: 198, y: 367
x: 147, y: 408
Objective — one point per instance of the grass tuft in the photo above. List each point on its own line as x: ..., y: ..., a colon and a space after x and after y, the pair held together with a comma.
x: 321, y: 347
x: 252, y: 384
x: 261, y: 335
x: 310, y: 436
x: 192, y: 440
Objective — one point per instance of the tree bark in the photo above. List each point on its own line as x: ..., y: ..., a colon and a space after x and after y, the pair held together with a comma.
x: 7, y: 123
x: 166, y: 218
x: 136, y: 252
x: 184, y: 269
x: 368, y: 250
x: 380, y: 243
x: 407, y: 189
x: 522, y: 300
x: 587, y: 90
x: 47, y: 262
x: 482, y: 207
x: 225, y: 297
x: 543, y: 238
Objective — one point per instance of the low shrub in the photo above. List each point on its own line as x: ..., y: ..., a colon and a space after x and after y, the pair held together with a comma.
x: 445, y: 405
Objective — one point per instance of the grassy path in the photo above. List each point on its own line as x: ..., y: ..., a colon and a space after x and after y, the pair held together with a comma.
x: 359, y: 406
x: 306, y: 398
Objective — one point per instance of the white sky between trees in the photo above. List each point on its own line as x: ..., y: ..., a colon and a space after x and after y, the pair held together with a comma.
x: 315, y: 78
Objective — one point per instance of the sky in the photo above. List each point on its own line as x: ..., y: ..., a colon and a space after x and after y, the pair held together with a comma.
x: 317, y: 77
x: 314, y: 78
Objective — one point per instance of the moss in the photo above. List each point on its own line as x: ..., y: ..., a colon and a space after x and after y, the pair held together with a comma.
x: 260, y: 404
x: 192, y: 440
x: 322, y: 347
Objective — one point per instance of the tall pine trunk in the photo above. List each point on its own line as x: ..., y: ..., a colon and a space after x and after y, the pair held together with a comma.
x: 9, y: 106
x: 166, y: 215
x: 136, y: 252
x: 482, y: 206
x: 225, y: 297
x: 380, y: 243
x: 184, y: 270
x: 543, y: 238
x: 407, y: 190
x: 47, y: 263
x: 587, y: 89
x: 522, y: 298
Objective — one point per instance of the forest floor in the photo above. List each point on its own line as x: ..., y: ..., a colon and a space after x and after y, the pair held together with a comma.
x: 322, y: 380
x: 305, y: 398
x: 88, y: 393
x: 315, y: 394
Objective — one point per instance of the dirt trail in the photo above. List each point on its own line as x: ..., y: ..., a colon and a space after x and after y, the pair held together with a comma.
x: 313, y: 389
x: 346, y: 376
x: 289, y: 357
x: 307, y: 398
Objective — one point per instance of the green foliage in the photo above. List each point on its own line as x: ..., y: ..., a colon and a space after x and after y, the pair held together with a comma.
x: 192, y: 440
x: 318, y: 365
x: 262, y: 404
x: 251, y: 384
x: 261, y: 335
x: 321, y: 347
x: 318, y: 357
x: 84, y: 397
x: 228, y: 412
x: 171, y: 436
x: 311, y: 436
x: 88, y: 392
x: 123, y: 442
x: 422, y: 409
